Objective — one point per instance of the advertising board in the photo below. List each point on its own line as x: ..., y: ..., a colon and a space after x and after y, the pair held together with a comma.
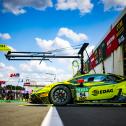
x: 111, y: 42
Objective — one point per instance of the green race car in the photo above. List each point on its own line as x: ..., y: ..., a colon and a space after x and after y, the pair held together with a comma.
x: 88, y: 87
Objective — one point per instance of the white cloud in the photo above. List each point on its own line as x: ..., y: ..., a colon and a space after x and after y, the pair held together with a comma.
x: 65, y: 45
x: 2, y: 65
x: 44, y: 44
x: 114, y: 4
x: 57, y: 43
x: 17, y: 6
x: 35, y: 66
x: 77, y: 37
x: 36, y: 70
x: 5, y: 36
x: 25, y: 67
x: 10, y: 69
x: 89, y: 51
x: 61, y: 43
x: 6, y: 70
x: 1, y: 75
x: 84, y: 6
x: 62, y: 77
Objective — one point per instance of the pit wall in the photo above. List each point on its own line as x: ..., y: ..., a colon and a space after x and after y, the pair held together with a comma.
x: 113, y: 64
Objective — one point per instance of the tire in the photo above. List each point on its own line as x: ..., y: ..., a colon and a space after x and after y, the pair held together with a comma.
x: 60, y: 95
x: 120, y: 98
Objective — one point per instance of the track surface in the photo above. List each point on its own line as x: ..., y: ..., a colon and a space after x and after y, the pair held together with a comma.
x: 93, y: 116
x: 12, y: 114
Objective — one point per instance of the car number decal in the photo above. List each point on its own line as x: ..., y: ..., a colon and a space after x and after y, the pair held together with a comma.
x: 82, y: 93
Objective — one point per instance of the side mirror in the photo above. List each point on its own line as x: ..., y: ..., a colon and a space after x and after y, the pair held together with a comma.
x: 80, y: 81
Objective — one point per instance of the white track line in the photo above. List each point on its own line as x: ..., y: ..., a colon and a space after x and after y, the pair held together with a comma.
x: 52, y: 118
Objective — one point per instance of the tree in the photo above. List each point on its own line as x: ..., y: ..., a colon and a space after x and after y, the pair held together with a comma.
x: 12, y: 87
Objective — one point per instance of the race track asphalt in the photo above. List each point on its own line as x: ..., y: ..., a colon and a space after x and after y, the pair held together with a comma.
x: 13, y: 114
x: 93, y: 115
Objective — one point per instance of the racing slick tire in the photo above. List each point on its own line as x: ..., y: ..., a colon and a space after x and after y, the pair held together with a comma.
x: 120, y: 98
x: 60, y: 95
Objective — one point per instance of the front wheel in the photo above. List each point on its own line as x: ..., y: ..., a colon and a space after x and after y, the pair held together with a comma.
x: 60, y: 95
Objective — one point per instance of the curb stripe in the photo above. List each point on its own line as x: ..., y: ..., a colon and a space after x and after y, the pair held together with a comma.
x: 52, y: 118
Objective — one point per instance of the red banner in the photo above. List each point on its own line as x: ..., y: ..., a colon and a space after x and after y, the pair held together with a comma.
x: 111, y: 42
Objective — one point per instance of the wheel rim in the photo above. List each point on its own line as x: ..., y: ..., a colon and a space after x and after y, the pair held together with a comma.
x: 60, y: 96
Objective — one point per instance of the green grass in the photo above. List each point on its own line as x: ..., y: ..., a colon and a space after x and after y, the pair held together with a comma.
x: 1, y: 101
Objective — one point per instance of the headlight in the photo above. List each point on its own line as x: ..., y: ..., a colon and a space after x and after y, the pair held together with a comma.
x: 44, y: 94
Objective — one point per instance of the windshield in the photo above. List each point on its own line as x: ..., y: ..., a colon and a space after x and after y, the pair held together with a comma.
x: 116, y: 78
x: 89, y: 78
x: 99, y: 78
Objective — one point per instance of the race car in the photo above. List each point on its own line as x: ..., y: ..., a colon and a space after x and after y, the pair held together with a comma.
x: 88, y: 87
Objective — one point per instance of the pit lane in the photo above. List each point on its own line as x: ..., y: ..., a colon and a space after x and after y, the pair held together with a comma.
x: 14, y: 114
x: 98, y: 115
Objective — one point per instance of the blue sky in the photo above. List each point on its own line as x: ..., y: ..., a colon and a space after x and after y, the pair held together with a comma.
x: 31, y: 24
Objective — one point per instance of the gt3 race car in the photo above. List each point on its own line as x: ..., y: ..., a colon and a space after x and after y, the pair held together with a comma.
x: 88, y: 87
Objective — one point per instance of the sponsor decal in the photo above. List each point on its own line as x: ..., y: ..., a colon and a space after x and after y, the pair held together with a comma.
x: 121, y: 39
x: 14, y: 75
x: 120, y: 28
x: 111, y: 42
x: 82, y: 93
x: 4, y: 48
x: 80, y: 90
x: 97, y: 92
